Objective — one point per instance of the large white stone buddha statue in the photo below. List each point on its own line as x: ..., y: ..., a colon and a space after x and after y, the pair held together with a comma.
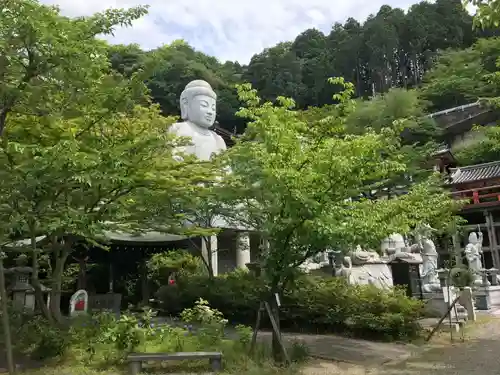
x: 198, y: 111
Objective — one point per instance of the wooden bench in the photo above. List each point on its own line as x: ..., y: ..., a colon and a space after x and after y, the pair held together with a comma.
x: 135, y: 360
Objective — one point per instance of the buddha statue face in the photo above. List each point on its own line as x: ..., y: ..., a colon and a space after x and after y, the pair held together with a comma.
x: 201, y: 111
x: 198, y: 104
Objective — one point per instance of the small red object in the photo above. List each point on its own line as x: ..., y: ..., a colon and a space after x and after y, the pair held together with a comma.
x: 171, y: 281
x: 475, y: 196
x: 80, y: 305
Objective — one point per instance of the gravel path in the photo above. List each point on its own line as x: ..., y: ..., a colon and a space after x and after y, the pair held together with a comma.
x: 478, y: 354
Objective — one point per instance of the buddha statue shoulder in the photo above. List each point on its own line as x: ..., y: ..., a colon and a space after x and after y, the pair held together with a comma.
x: 198, y: 111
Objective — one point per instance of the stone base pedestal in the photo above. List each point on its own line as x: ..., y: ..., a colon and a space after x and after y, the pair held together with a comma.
x: 487, y: 297
x: 454, y: 327
x: 437, y: 305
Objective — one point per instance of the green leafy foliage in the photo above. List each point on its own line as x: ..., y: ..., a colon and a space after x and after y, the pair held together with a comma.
x: 313, y: 304
x: 461, y: 76
x: 82, y: 149
x: 487, y: 12
x: 51, y: 64
x: 211, y: 321
x: 461, y: 276
x: 102, y: 341
x: 306, y: 192
x: 35, y: 336
x: 481, y: 146
x: 162, y: 265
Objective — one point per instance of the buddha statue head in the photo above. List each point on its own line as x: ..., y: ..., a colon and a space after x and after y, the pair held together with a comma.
x: 198, y: 104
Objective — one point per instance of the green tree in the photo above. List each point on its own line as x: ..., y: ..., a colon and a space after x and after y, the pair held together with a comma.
x: 299, y: 185
x: 487, y: 12
x: 169, y: 68
x: 126, y: 59
x: 419, y: 136
x: 345, y: 49
x: 310, y: 48
x: 462, y: 76
x: 78, y: 156
x: 481, y: 146
x: 276, y: 70
x: 50, y: 63
x: 199, y: 209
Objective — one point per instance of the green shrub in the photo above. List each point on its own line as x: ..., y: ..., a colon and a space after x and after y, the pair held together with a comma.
x: 162, y: 265
x: 298, y: 351
x: 113, y: 340
x: 313, y: 304
x: 43, y: 340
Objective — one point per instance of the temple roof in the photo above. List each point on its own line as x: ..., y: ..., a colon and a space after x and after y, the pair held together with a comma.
x: 474, y: 173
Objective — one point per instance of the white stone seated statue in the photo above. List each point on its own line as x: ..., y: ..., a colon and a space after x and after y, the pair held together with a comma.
x: 198, y: 110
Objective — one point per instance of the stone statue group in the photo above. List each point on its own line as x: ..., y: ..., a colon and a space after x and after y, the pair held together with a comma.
x: 423, y: 251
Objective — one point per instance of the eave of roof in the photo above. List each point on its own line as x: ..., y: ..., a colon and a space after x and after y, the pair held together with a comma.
x: 473, y: 173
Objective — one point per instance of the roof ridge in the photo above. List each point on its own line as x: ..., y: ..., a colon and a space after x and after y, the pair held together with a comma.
x: 459, y: 107
x: 477, y: 172
x: 481, y: 165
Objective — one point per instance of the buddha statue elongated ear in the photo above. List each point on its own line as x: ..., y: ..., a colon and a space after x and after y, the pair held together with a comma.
x: 184, y: 104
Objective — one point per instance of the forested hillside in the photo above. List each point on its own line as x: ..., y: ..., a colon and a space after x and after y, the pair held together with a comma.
x: 390, y: 49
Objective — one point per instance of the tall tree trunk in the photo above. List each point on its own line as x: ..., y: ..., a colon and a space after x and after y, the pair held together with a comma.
x: 359, y: 94
x: 276, y: 340
x: 277, y: 348
x: 144, y: 284
x: 82, y: 274
x: 207, y: 245
x: 35, y: 282
x: 56, y: 284
x: 11, y: 366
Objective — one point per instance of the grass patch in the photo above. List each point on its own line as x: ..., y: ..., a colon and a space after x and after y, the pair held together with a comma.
x: 179, y: 368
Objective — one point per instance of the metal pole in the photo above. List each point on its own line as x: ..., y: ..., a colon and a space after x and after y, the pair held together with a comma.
x: 11, y: 367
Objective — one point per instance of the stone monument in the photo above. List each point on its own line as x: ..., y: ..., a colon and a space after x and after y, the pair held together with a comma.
x: 78, y: 304
x: 396, y: 247
x: 198, y: 111
x: 365, y: 267
x: 23, y: 294
x: 473, y: 253
x: 393, y: 244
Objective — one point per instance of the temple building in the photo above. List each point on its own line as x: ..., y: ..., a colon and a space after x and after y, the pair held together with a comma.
x: 478, y: 185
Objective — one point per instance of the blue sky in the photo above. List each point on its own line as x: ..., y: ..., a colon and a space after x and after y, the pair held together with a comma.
x: 227, y: 29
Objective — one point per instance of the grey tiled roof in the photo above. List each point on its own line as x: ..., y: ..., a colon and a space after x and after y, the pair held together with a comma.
x: 476, y: 172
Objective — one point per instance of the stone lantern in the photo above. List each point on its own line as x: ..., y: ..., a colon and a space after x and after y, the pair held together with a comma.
x: 23, y: 294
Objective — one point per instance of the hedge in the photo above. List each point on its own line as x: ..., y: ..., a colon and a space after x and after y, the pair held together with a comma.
x: 314, y: 305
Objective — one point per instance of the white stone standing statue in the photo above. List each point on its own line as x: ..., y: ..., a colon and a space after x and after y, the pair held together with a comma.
x: 473, y: 253
x: 198, y: 110
x: 430, y: 277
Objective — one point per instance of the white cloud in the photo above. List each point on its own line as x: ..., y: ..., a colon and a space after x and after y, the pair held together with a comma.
x: 228, y: 29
